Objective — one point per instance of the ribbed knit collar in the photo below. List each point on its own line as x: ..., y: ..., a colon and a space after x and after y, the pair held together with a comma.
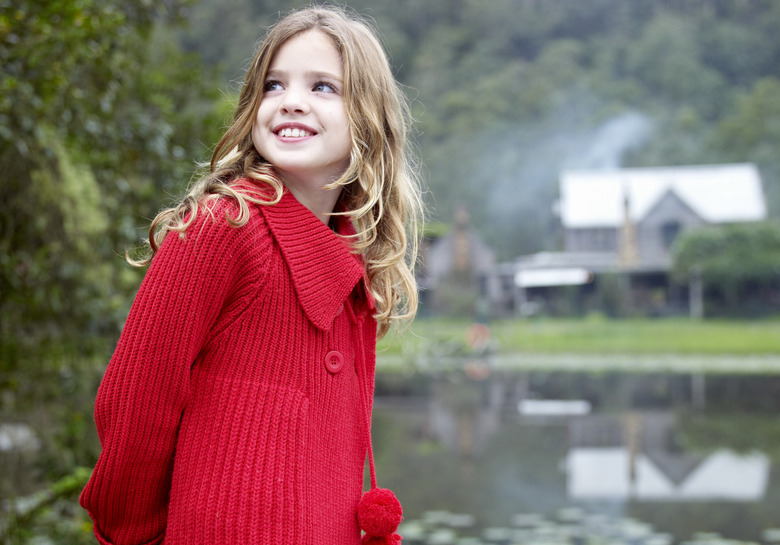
x: 323, y: 269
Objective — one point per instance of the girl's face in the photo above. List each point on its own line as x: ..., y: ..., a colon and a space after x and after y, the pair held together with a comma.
x: 301, y: 126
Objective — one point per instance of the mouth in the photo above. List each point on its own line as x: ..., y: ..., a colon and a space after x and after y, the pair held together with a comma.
x: 294, y: 132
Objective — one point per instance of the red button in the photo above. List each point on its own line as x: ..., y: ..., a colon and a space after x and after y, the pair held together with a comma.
x: 340, y: 309
x: 334, y: 361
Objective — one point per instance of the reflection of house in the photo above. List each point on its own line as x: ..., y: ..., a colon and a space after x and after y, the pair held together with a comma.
x: 606, y: 473
x: 636, y: 458
x: 626, y: 220
x: 464, y: 415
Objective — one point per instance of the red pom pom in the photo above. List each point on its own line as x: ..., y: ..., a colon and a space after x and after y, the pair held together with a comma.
x: 393, y: 539
x: 379, y: 514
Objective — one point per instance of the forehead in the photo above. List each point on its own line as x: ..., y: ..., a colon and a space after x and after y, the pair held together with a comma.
x: 312, y: 50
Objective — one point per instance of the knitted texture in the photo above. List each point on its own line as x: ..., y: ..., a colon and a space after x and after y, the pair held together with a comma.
x: 392, y: 539
x: 379, y: 512
x: 234, y: 407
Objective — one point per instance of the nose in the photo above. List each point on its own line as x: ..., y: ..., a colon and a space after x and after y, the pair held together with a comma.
x: 294, y: 101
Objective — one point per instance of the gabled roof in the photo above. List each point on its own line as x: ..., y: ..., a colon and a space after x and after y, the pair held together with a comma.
x: 717, y: 193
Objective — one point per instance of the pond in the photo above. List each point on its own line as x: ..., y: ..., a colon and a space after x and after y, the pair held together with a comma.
x: 478, y: 455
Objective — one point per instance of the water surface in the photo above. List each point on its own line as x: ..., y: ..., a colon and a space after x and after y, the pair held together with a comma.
x: 684, y: 453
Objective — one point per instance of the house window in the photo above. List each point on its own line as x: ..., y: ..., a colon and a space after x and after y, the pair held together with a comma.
x: 669, y: 232
x: 597, y: 240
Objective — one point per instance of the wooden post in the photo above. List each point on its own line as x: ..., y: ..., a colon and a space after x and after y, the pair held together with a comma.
x: 696, y: 294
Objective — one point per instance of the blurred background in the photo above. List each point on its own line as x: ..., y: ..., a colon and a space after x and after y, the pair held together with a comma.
x: 597, y: 357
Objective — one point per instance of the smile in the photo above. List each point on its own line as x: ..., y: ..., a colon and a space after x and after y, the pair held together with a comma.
x: 294, y: 133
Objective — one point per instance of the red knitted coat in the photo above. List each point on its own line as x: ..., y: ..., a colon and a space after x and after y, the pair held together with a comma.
x: 235, y: 408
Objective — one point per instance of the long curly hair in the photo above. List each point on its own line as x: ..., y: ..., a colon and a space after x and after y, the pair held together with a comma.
x: 380, y: 188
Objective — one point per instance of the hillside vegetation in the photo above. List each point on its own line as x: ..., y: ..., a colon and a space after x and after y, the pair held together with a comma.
x: 508, y: 93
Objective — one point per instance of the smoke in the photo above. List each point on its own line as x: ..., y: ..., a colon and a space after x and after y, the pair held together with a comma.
x: 507, y: 175
x: 611, y: 141
x: 521, y: 170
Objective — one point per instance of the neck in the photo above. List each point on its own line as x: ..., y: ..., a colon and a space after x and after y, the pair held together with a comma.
x: 320, y: 202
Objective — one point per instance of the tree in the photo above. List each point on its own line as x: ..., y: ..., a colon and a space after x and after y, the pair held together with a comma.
x: 739, y: 262
x: 667, y: 59
x: 98, y: 113
x: 751, y: 132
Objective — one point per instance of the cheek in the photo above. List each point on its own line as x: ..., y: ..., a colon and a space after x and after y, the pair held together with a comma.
x: 343, y: 124
x: 256, y: 139
x: 257, y: 131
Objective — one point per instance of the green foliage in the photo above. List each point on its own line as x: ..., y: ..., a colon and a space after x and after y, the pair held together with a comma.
x: 667, y: 59
x: 64, y: 63
x: 753, y: 128
x: 734, y: 260
x: 50, y: 512
x: 751, y: 132
x: 101, y: 113
x: 436, y: 229
x: 611, y: 295
x: 741, y: 432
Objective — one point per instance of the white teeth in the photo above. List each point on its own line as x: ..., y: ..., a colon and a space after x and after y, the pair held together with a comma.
x: 293, y: 133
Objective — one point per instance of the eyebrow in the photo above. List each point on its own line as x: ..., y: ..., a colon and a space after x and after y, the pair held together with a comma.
x: 308, y: 74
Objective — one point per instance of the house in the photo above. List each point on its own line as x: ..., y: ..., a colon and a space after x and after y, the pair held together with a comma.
x: 457, y: 273
x: 636, y: 214
x: 624, y: 222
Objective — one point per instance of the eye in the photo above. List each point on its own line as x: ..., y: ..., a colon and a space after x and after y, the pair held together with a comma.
x: 272, y: 85
x: 324, y: 87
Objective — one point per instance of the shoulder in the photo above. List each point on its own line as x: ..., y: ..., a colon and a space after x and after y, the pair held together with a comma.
x: 225, y: 216
x: 221, y: 229
x: 212, y: 253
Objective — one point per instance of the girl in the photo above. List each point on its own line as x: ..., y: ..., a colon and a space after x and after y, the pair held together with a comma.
x: 237, y: 405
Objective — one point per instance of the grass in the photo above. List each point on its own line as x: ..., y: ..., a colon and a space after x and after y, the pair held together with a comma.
x: 677, y: 336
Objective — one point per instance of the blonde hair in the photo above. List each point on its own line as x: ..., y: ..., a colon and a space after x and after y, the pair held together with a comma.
x: 380, y: 190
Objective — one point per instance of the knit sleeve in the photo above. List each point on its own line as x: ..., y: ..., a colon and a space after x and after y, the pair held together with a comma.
x: 145, y: 389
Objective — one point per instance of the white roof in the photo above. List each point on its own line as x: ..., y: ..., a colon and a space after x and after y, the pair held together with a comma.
x: 717, y: 193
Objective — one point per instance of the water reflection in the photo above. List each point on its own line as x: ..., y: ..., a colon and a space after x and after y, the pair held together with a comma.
x: 685, y: 453
x: 634, y: 456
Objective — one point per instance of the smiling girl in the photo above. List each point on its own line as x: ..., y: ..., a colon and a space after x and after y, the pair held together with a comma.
x: 237, y: 405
